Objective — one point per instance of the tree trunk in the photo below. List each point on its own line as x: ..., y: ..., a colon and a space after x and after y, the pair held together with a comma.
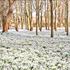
x: 30, y: 13
x: 37, y: 16
x: 59, y: 23
x: 51, y: 6
x: 55, y: 23
x: 66, y: 16
x: 40, y: 22
x: 45, y: 16
x: 4, y: 24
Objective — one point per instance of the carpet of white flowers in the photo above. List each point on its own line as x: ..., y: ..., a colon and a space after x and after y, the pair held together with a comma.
x: 24, y: 50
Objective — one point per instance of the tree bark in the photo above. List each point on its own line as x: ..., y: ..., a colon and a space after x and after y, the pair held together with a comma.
x: 66, y: 17
x: 51, y: 6
x: 37, y: 16
x: 55, y: 23
x: 5, y: 25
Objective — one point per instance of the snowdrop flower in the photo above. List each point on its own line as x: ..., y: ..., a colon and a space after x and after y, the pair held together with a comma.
x: 66, y: 54
x: 14, y: 67
x: 60, y: 46
x: 59, y: 65
x: 54, y: 68
x: 36, y: 53
x: 1, y: 63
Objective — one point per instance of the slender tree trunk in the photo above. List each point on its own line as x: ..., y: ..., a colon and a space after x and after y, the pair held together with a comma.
x: 30, y: 13
x: 37, y: 16
x: 51, y: 6
x: 66, y: 16
x: 21, y: 14
x: 61, y: 20
x: 59, y: 23
x: 48, y: 24
x: 21, y: 22
x: 25, y: 16
x: 16, y: 24
x: 55, y: 23
x: 41, y: 22
x: 45, y: 15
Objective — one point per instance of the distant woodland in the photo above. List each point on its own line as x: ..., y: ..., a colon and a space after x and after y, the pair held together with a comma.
x: 50, y: 14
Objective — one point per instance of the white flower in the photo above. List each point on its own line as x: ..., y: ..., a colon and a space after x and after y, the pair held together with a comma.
x: 14, y: 67
x: 54, y: 68
x: 60, y: 46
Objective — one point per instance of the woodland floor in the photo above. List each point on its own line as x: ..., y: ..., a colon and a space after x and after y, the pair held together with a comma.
x: 24, y: 50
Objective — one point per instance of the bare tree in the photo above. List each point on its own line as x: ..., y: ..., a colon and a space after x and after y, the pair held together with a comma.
x: 58, y: 6
x: 37, y: 16
x: 5, y: 16
x: 51, y: 6
x: 30, y: 13
x: 41, y: 21
x: 55, y: 23
x: 46, y: 8
x: 66, y: 16
x: 25, y: 14
x: 21, y: 6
